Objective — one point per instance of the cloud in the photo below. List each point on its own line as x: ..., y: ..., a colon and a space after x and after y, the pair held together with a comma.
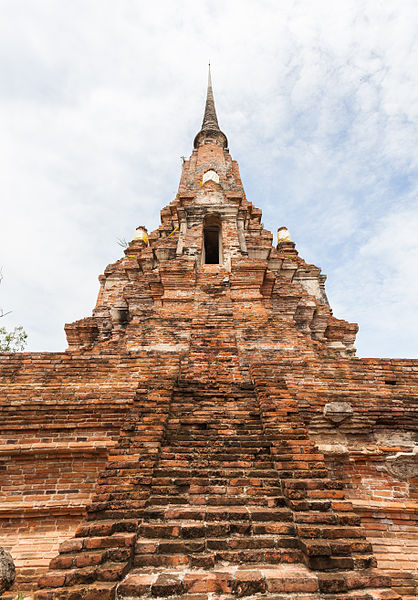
x: 100, y: 100
x: 379, y: 283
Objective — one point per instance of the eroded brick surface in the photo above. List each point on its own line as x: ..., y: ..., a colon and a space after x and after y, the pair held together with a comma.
x: 209, y: 430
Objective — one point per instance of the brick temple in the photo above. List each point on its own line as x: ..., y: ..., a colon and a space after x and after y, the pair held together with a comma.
x: 210, y: 433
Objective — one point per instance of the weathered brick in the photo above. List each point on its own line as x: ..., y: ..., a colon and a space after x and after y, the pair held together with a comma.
x: 210, y: 411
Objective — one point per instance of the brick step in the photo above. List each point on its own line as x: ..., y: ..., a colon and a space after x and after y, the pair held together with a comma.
x: 182, y: 416
x: 210, y: 472
x: 210, y: 559
x: 308, y: 504
x: 254, y: 494
x: 226, y: 429
x: 238, y: 437
x: 278, y: 435
x: 115, y: 540
x: 196, y: 414
x: 255, y: 542
x: 229, y: 433
x: 90, y: 558
x: 174, y: 560
x: 212, y: 452
x: 102, y: 590
x: 289, y: 474
x: 299, y: 468
x: 202, y: 479
x: 314, y: 495
x: 203, y: 397
x: 105, y: 527
x: 214, y: 436
x: 199, y: 499
x: 366, y: 594
x: 108, y: 571
x: 337, y: 563
x: 239, y: 409
x: 205, y: 459
x: 231, y: 497
x: 350, y: 553
x: 347, y: 581
x: 257, y: 556
x: 168, y: 500
x: 247, y: 482
x: 214, y: 493
x: 216, y: 488
x: 314, y: 484
x: 191, y: 546
x: 229, y: 582
x: 224, y: 462
x: 217, y: 404
x: 212, y: 447
x: 209, y: 427
x: 334, y: 532
x: 216, y: 529
x: 318, y: 493
x: 199, y: 513
x: 252, y: 444
x: 261, y: 501
x: 330, y: 518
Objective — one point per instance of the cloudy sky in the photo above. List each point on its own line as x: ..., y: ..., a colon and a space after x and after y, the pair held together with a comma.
x: 319, y: 99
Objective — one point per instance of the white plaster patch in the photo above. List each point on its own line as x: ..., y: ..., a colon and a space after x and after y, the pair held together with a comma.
x: 210, y: 176
x: 403, y: 465
x: 159, y: 347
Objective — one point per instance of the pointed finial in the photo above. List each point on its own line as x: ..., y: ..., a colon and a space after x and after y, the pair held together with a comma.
x: 209, y: 118
x: 210, y: 126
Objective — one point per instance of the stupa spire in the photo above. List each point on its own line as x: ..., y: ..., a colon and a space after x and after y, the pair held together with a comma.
x: 210, y: 126
x: 210, y: 120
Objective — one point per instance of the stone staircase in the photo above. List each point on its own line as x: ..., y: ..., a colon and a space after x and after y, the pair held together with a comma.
x: 216, y: 508
x: 234, y: 499
x: 217, y: 521
x: 215, y: 497
x: 222, y: 519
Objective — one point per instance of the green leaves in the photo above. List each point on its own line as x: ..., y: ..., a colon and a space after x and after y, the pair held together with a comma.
x: 14, y: 340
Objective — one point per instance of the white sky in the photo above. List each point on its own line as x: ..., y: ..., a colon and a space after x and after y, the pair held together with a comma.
x: 319, y: 100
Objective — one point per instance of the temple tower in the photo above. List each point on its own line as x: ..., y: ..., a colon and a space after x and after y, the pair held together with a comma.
x: 210, y: 231
x: 232, y: 416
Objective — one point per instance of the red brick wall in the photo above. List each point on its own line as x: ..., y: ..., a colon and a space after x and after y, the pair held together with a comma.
x: 361, y: 450
x: 61, y: 416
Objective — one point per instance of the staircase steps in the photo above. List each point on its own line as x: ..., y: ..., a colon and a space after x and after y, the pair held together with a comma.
x: 282, y: 582
x: 230, y: 514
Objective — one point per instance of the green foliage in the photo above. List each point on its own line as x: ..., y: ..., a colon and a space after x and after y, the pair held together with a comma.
x: 123, y: 243
x: 14, y: 340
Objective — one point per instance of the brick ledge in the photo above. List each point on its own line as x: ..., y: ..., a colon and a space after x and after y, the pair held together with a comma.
x: 57, y: 448
x: 387, y: 506
x: 30, y: 511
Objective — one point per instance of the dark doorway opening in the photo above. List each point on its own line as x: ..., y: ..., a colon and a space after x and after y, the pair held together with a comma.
x: 211, y: 241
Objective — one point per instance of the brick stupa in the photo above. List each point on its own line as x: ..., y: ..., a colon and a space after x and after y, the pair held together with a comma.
x: 209, y: 433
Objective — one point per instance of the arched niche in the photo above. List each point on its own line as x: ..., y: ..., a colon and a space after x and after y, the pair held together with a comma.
x: 212, y: 240
x: 210, y: 175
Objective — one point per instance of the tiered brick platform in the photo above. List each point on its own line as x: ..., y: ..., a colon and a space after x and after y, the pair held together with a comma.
x: 222, y: 517
x: 209, y: 432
